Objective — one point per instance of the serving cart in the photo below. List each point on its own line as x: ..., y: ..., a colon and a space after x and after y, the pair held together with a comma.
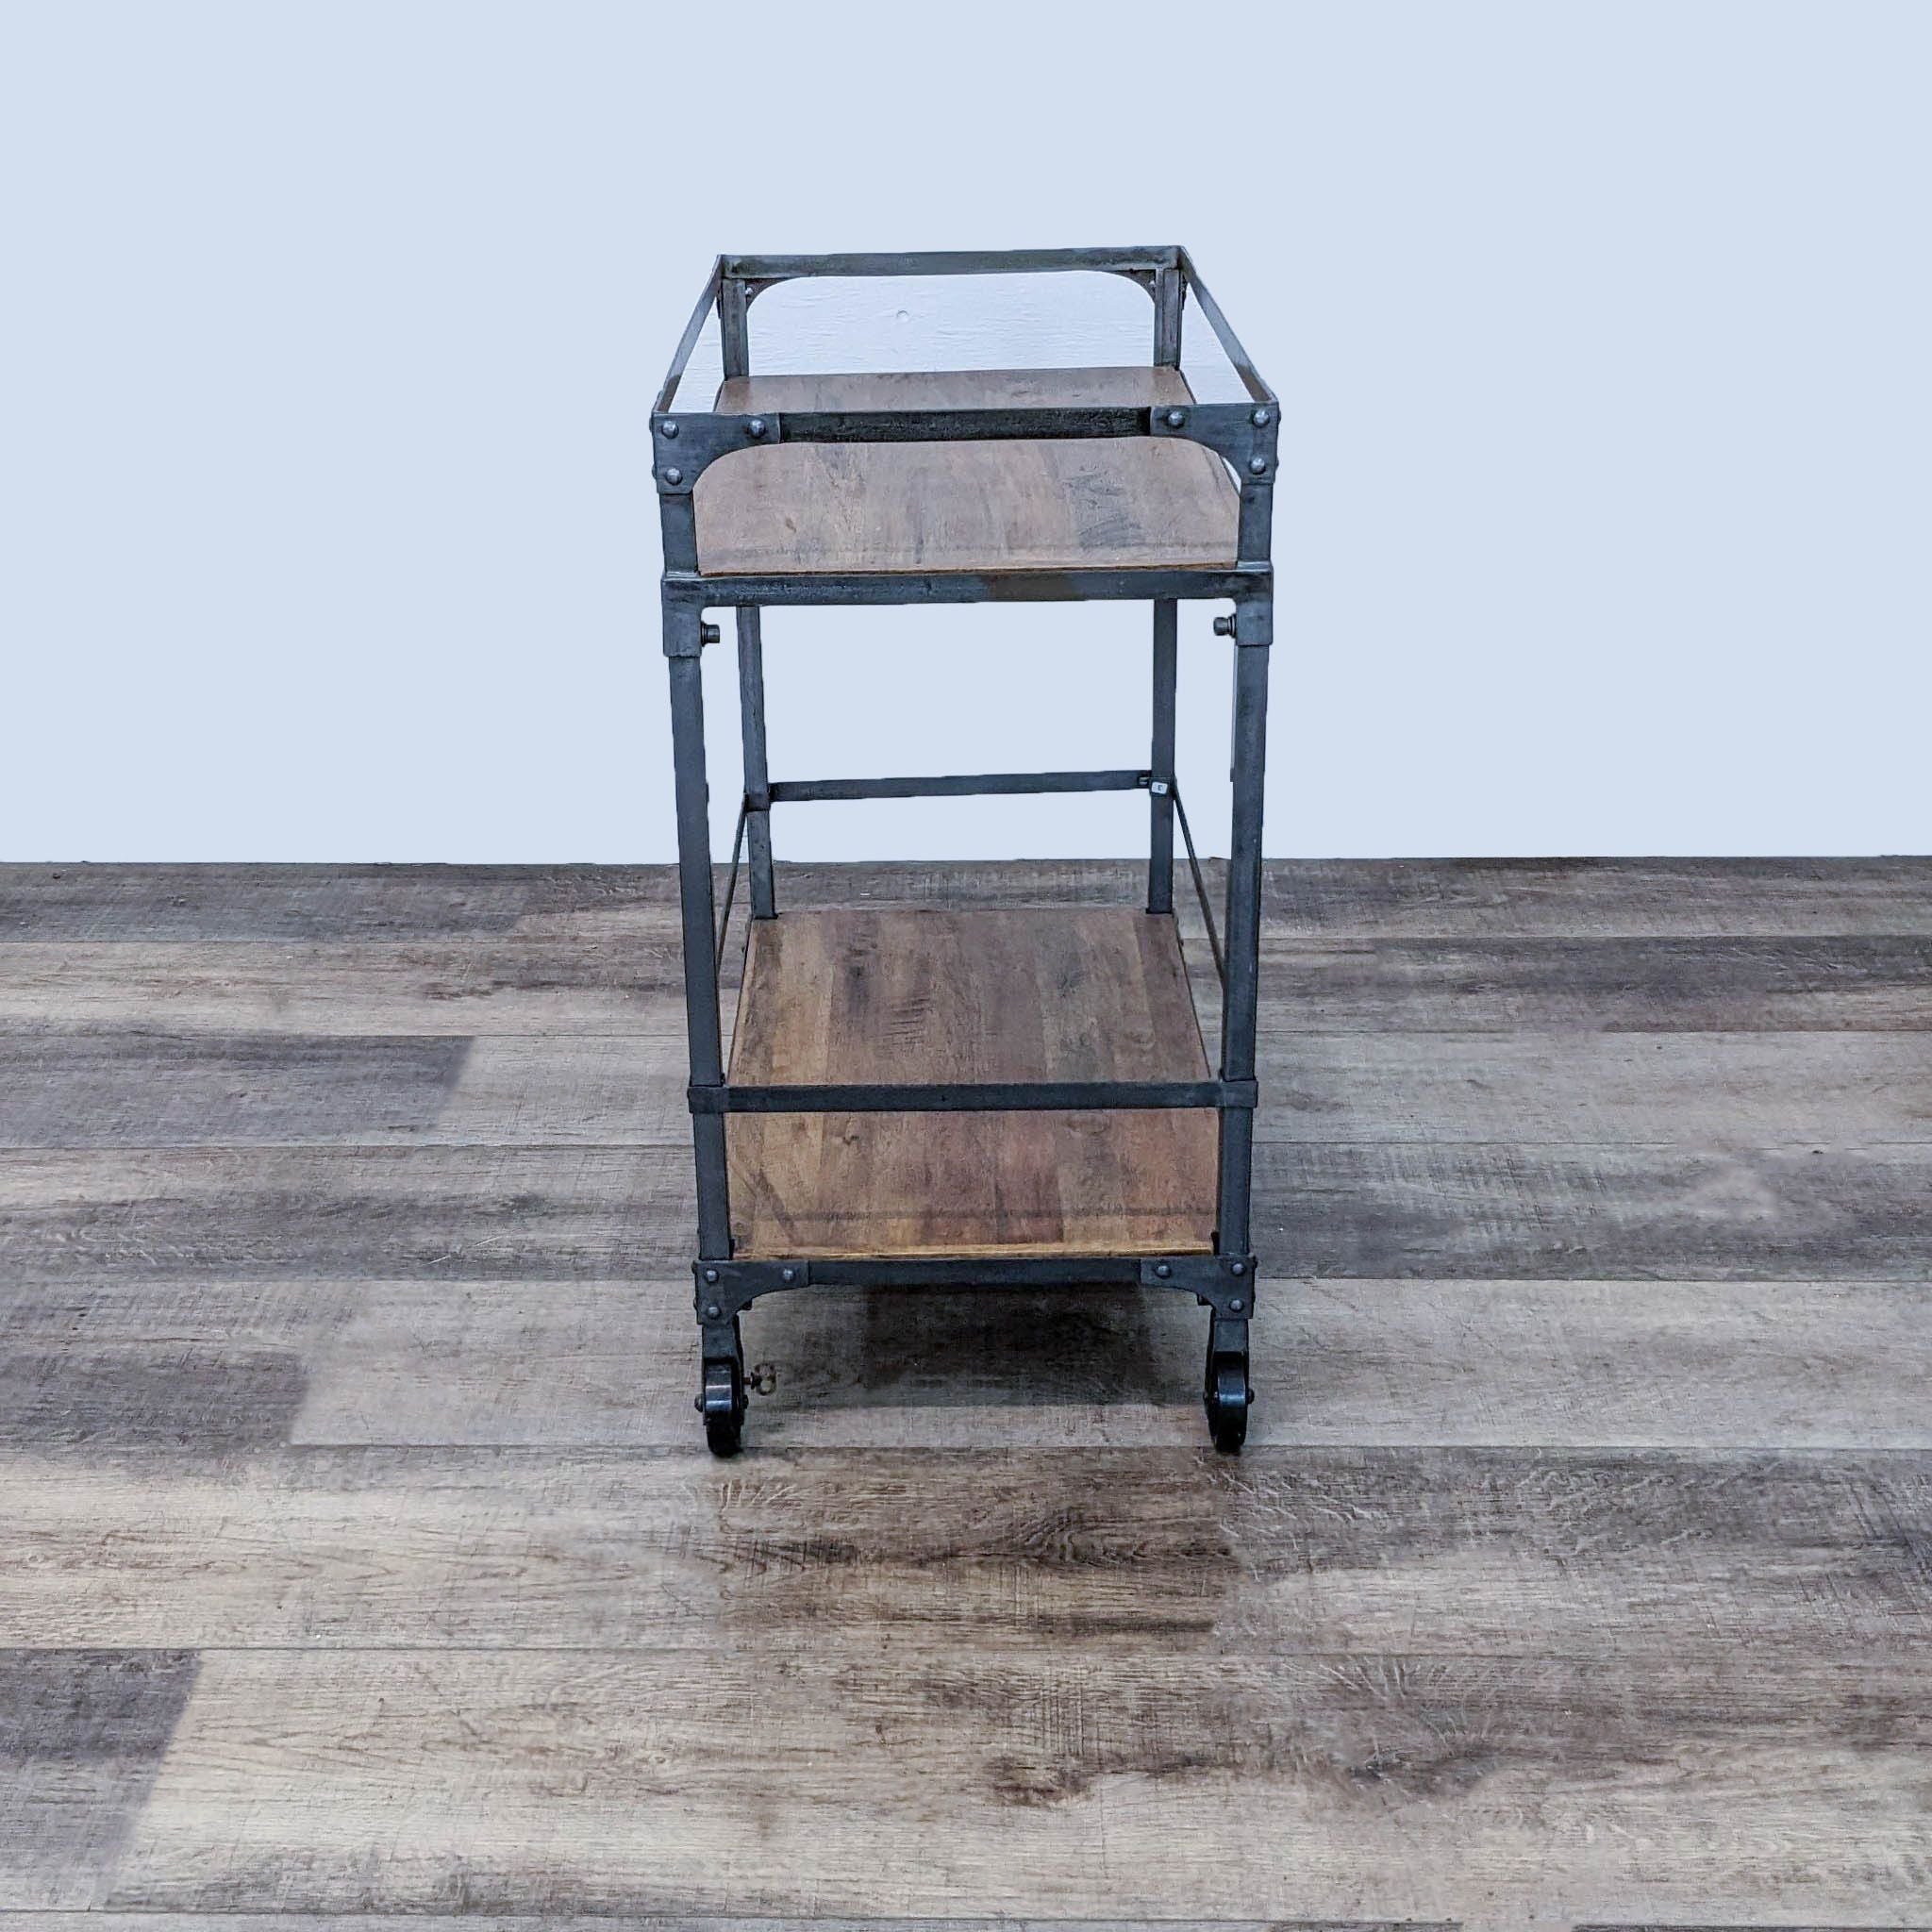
x: 983, y: 1097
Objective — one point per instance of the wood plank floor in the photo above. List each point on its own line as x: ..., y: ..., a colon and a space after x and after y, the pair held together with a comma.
x: 361, y: 1569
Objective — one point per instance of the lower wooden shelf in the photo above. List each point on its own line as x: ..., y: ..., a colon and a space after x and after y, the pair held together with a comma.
x: 1078, y: 993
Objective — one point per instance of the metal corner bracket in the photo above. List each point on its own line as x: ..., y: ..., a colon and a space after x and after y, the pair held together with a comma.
x: 1225, y: 1283
x: 683, y: 447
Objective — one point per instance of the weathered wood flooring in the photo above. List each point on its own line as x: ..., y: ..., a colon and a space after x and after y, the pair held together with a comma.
x: 361, y: 1568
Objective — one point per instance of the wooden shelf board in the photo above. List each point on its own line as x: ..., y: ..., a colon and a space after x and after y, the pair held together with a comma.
x: 1117, y: 502
x: 1072, y: 993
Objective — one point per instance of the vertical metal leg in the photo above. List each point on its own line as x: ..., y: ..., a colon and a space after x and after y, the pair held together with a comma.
x: 1254, y: 623
x: 1226, y: 1391
x: 1170, y: 291
x: 1160, y: 830
x: 751, y: 719
x: 700, y: 946
x: 734, y: 327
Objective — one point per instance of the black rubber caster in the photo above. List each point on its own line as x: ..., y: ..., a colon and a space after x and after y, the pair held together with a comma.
x: 1227, y: 1396
x: 721, y: 1401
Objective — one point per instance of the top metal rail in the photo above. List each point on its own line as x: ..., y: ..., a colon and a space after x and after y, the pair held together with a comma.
x: 1223, y: 332
x: 706, y: 302
x: 957, y: 261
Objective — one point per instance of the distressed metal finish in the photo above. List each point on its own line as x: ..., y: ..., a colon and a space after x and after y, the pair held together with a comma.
x: 1170, y: 292
x: 1245, y: 437
x: 983, y: 1096
x: 973, y: 261
x: 1243, y: 945
x: 702, y: 1029
x: 1160, y: 779
x: 1227, y: 1283
x: 1202, y: 894
x: 680, y: 356
x: 684, y: 446
x: 980, y: 784
x: 734, y: 325
x: 685, y: 586
x: 731, y: 880
x: 751, y: 705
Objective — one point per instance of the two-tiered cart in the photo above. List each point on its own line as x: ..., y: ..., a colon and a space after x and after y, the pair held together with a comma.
x: 981, y: 1097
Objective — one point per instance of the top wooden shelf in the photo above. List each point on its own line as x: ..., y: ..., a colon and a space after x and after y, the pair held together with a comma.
x: 1119, y: 503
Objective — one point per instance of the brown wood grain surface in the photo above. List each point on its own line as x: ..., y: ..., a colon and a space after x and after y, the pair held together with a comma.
x: 1371, y: 1211
x: 1506, y: 899
x: 925, y: 1776
x: 1474, y: 1550
x: 1094, y: 994
x: 136, y: 1362
x: 364, y: 1568
x: 1705, y: 1091
x: 1131, y: 502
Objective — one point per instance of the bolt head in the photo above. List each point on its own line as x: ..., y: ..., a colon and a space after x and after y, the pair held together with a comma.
x: 1176, y: 418
x: 712, y: 1276
x: 667, y: 430
x: 1237, y: 1305
x: 756, y: 426
x: 788, y: 1276
x: 708, y: 634
x: 712, y: 1311
x: 1236, y: 1266
x: 1258, y: 465
x: 1223, y: 626
x: 1260, y: 419
x: 1161, y: 1269
x: 673, y: 474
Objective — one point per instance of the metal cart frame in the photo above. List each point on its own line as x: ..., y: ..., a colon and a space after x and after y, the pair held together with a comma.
x: 683, y: 443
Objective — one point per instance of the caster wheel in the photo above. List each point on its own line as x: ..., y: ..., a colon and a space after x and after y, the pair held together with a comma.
x: 721, y: 1405
x: 1227, y: 1396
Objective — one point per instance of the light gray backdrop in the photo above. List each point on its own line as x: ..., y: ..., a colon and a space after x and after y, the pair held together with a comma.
x: 329, y: 332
